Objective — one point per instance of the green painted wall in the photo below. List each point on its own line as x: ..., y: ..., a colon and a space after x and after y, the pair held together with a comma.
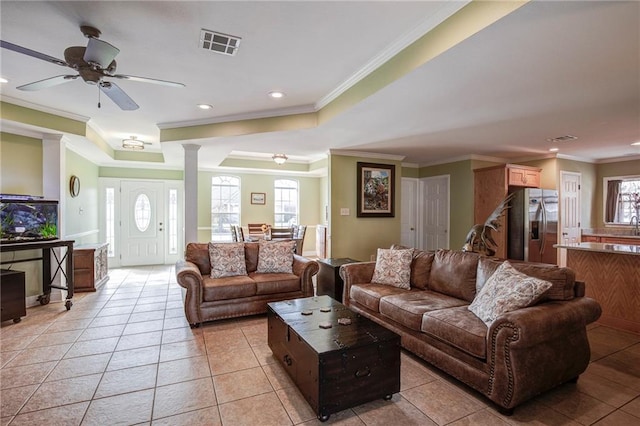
x: 622, y: 168
x: 81, y: 212
x: 410, y: 172
x: 310, y: 202
x: 351, y: 236
x: 21, y: 165
x: 128, y: 173
x: 461, y: 197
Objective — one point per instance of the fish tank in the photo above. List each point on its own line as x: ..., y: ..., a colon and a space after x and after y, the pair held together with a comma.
x: 27, y: 218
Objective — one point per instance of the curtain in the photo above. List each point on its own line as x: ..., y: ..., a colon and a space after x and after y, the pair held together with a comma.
x: 613, y: 191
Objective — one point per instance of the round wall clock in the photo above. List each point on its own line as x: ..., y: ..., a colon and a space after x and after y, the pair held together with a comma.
x: 74, y: 186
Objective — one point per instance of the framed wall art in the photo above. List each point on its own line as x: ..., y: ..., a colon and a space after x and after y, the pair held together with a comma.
x: 376, y: 190
x: 258, y: 198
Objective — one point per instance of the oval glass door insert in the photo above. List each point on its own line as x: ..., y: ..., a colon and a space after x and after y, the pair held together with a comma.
x: 142, y: 212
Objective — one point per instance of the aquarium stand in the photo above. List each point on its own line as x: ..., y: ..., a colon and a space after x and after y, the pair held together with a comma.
x: 65, y: 259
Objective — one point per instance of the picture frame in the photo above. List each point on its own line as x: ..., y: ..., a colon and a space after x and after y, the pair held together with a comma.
x: 259, y: 198
x: 376, y: 190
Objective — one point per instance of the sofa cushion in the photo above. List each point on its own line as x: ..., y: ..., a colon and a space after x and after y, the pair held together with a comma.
x: 420, y: 266
x: 251, y: 255
x: 454, y: 273
x: 275, y: 257
x: 563, y: 279
x: 407, y: 308
x: 228, y: 288
x: 275, y: 283
x: 393, y: 267
x: 368, y: 295
x: 198, y: 253
x: 227, y: 259
x: 506, y: 291
x: 458, y: 327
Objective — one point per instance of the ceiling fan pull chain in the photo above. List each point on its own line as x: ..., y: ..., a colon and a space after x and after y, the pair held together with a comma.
x: 98, y: 85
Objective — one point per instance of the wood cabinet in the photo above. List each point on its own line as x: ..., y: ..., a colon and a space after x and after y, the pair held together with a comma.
x: 610, y: 239
x: 12, y: 295
x: 491, y: 185
x: 90, y: 269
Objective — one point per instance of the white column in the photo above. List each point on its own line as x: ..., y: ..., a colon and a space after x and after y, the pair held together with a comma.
x: 53, y: 188
x: 190, y: 192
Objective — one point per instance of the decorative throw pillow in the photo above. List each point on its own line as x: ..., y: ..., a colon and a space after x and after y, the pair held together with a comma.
x: 227, y: 259
x: 505, y: 291
x: 275, y: 257
x: 393, y: 267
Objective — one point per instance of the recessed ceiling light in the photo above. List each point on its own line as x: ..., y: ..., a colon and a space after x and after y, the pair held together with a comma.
x: 205, y: 106
x: 276, y: 95
x: 3, y: 80
x: 636, y: 143
x: 554, y: 149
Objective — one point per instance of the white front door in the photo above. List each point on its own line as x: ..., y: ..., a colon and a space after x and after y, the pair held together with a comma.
x: 435, y: 212
x: 569, y: 210
x: 409, y: 212
x: 142, y: 216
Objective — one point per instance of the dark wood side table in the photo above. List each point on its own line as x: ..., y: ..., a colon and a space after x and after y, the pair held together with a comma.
x: 90, y: 266
x: 12, y: 295
x: 329, y: 281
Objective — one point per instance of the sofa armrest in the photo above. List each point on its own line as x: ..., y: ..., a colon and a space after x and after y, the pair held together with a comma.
x: 534, y: 349
x: 189, y: 277
x: 305, y: 268
x: 355, y: 273
x: 549, y: 320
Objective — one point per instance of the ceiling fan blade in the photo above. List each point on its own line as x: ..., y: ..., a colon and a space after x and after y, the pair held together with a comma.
x: 47, y: 82
x: 147, y: 80
x: 117, y: 95
x: 32, y: 53
x: 100, y: 52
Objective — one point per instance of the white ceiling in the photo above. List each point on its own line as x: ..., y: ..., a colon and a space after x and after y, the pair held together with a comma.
x: 548, y: 69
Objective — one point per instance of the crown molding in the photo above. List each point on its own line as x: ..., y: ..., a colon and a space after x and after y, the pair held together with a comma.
x: 256, y: 171
x: 48, y: 110
x: 281, y: 112
x: 465, y: 158
x: 619, y: 159
x: 428, y: 24
x: 410, y: 165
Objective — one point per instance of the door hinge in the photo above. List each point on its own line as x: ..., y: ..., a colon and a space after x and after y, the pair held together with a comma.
x: 579, y: 187
x: 578, y: 224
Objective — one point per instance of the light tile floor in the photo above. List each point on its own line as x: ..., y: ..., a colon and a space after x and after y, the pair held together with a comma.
x: 125, y: 355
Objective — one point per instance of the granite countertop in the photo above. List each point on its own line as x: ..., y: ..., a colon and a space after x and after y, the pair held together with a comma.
x: 604, y: 232
x: 602, y: 247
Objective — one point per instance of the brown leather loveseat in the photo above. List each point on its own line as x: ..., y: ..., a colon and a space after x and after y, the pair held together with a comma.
x: 207, y: 299
x: 519, y: 355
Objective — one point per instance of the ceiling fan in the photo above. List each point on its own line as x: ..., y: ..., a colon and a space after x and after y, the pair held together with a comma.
x: 93, y: 63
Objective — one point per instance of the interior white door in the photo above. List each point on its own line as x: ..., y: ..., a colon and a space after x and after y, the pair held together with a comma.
x: 142, y: 227
x: 435, y: 212
x: 409, y: 213
x: 570, y: 209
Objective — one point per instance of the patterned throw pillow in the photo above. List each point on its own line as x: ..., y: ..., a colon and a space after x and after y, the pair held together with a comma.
x: 227, y: 259
x: 275, y: 257
x: 393, y: 267
x: 505, y: 291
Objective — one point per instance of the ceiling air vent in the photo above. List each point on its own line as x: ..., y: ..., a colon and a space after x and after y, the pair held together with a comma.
x: 565, y: 138
x: 224, y: 44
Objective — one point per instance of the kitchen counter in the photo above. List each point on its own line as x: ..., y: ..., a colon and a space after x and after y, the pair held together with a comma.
x: 603, y: 248
x: 611, y: 273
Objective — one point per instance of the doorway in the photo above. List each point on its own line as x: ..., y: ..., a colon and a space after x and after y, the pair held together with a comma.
x: 409, y: 212
x: 570, y: 211
x: 434, y: 193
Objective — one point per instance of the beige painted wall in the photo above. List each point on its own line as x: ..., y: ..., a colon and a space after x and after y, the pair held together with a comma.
x: 351, y: 236
x: 622, y: 168
x: 128, y: 173
x: 310, y: 202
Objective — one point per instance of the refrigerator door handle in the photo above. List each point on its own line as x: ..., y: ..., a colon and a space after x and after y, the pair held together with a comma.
x: 544, y: 226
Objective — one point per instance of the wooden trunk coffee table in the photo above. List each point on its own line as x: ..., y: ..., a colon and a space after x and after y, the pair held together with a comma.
x: 334, y: 368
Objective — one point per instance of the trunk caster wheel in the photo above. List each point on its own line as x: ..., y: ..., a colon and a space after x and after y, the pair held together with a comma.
x: 387, y: 397
x: 17, y: 320
x: 323, y: 418
x: 44, y: 299
x: 68, y: 304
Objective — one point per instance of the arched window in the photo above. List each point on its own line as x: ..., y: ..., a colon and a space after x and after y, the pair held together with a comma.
x: 225, y: 206
x: 286, y: 203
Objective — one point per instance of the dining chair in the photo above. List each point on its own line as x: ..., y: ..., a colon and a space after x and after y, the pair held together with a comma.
x: 298, y: 235
x: 234, y: 234
x: 255, y: 228
x: 239, y: 232
x: 281, y: 233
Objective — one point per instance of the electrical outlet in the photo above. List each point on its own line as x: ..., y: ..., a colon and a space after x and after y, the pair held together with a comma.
x: 344, y: 211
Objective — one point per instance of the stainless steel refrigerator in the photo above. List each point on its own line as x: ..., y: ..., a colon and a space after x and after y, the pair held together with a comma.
x: 533, y: 225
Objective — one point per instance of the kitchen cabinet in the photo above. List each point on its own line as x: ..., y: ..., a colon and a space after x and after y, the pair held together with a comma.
x: 610, y: 239
x: 90, y: 269
x: 491, y: 185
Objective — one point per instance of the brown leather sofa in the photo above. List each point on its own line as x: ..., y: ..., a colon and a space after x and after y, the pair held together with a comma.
x: 520, y: 355
x: 208, y: 299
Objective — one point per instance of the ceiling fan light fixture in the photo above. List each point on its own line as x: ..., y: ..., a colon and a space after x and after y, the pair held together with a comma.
x: 279, y: 158
x: 133, y: 144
